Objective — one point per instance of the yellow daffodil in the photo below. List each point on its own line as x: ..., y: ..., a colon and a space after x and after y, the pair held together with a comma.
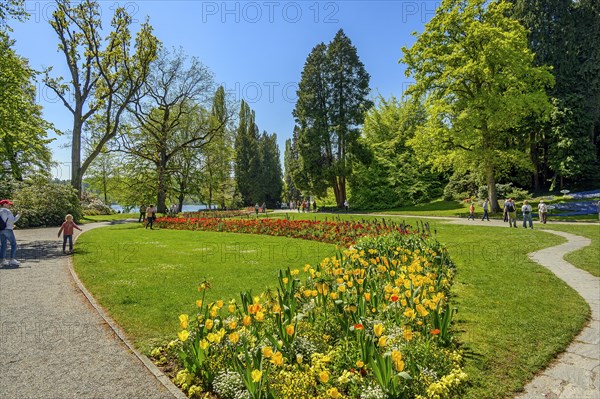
x: 333, y: 393
x: 256, y: 375
x: 199, y: 303
x: 378, y: 329
x: 267, y: 351
x: 247, y: 320
x: 360, y: 364
x: 204, y: 344
x: 277, y: 359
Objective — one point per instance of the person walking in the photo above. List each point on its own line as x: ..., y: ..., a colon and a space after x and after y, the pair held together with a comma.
x: 150, y: 216
x: 346, y: 205
x: 471, y: 211
x: 486, y: 206
x: 142, y: 213
x: 526, y: 210
x: 256, y: 207
x: 542, y: 212
x: 511, y: 209
x: 7, y: 235
x: 67, y: 229
x: 314, y: 205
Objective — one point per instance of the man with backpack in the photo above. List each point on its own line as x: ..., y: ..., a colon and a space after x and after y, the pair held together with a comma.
x: 511, y: 210
x: 7, y: 224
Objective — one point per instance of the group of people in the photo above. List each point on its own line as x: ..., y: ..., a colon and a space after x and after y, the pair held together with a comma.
x: 303, y: 205
x: 510, y: 212
x: 147, y: 215
x: 7, y: 234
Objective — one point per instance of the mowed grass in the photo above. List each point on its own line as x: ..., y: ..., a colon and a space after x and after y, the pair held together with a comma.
x: 146, y: 278
x: 587, y: 258
x: 109, y: 218
x: 514, y: 315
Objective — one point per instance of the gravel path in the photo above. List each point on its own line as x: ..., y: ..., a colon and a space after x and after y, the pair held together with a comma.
x: 53, y: 343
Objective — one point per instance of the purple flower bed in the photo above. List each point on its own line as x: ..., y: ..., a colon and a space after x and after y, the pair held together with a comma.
x: 577, y: 208
x: 586, y: 194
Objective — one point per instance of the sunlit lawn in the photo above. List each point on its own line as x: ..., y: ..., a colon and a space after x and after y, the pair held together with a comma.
x: 514, y: 315
x: 146, y: 278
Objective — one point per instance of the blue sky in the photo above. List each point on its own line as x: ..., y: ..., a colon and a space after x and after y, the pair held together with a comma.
x: 256, y: 49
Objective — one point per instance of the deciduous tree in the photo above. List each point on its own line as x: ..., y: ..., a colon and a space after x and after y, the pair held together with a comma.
x: 475, y: 74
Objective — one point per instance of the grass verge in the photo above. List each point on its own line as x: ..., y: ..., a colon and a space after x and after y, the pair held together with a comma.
x: 147, y: 278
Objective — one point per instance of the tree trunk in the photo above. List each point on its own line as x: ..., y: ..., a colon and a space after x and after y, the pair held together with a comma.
x: 180, y: 200
x: 491, y: 183
x: 535, y: 160
x: 76, y: 177
x: 161, y: 196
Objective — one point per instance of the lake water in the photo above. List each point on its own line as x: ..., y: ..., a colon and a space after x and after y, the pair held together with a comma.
x: 186, y: 208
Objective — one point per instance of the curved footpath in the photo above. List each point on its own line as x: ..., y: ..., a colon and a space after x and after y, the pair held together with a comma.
x: 53, y: 343
x: 575, y: 373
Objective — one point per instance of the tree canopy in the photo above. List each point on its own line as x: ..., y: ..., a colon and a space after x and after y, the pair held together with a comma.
x: 475, y: 73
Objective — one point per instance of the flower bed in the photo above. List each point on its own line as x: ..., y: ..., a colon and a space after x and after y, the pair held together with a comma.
x: 372, y: 322
x: 216, y: 214
x: 343, y: 232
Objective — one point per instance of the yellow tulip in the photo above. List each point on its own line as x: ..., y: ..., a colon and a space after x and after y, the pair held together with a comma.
x: 220, y: 303
x: 183, y: 335
x: 234, y: 337
x: 260, y: 316
x: 199, y: 303
x: 209, y: 324
x: 183, y: 321
x: 204, y: 344
x: 324, y: 377
x: 289, y: 330
x: 378, y: 329
x: 333, y: 393
x: 247, y: 320
x: 360, y: 364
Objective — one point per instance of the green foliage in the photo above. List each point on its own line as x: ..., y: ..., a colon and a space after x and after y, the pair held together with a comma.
x: 332, y: 102
x: 505, y: 191
x: 257, y: 167
x: 247, y: 156
x: 461, y: 186
x: 393, y: 176
x: 476, y: 75
x: 564, y: 35
x: 46, y: 204
x: 23, y: 137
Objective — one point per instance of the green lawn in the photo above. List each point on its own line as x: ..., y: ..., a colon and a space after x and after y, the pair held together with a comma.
x: 109, y: 218
x: 146, y: 278
x: 514, y: 315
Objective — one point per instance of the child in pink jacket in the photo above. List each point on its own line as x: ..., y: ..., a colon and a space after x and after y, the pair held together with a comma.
x: 67, y: 230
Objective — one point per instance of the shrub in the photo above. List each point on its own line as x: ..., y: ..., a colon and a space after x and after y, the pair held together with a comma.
x: 504, y: 191
x: 42, y: 203
x: 92, y: 205
x: 461, y: 186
